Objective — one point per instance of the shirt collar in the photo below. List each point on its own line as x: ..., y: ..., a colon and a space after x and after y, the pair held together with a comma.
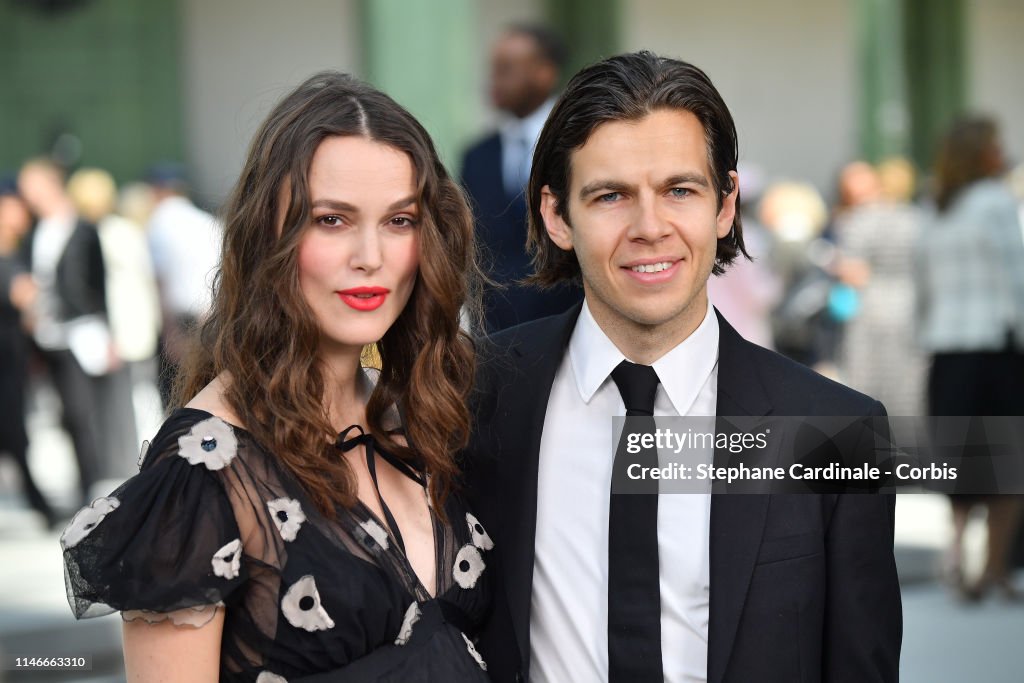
x: 683, y: 371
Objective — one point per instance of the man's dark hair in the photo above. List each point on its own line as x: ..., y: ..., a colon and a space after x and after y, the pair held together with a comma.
x: 626, y: 87
x: 549, y: 44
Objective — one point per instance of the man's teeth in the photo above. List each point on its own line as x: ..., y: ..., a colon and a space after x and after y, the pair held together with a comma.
x: 652, y: 267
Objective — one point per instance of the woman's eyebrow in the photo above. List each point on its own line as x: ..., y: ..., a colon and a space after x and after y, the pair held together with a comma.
x: 338, y: 205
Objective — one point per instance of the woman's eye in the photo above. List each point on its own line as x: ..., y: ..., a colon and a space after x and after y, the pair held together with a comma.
x: 329, y: 221
x: 403, y: 222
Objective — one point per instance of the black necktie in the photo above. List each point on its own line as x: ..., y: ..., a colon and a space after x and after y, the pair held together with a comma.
x: 634, y: 593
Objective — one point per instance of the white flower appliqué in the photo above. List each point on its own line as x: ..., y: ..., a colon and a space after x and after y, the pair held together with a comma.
x: 469, y: 564
x: 86, y: 519
x: 473, y: 653
x: 376, y: 532
x: 412, y: 615
x: 211, y: 442
x: 268, y: 677
x: 288, y: 516
x: 302, y: 608
x: 227, y: 561
x: 480, y: 538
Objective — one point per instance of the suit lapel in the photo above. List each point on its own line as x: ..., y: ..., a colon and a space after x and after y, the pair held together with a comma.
x: 524, y: 404
x: 737, y: 520
x: 494, y: 166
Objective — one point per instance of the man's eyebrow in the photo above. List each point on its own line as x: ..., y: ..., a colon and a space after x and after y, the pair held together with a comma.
x: 337, y: 205
x: 683, y: 178
x: 604, y: 186
x: 617, y: 186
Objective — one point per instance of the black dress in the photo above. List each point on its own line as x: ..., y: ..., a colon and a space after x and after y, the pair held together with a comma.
x: 213, y: 521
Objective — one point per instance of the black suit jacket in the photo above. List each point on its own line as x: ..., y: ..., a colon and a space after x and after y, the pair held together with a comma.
x: 803, y: 586
x: 80, y: 277
x: 501, y: 233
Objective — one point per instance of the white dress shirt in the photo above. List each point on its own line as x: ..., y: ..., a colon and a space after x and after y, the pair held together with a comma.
x: 48, y: 244
x: 184, y: 242
x: 569, y: 608
x: 518, y: 140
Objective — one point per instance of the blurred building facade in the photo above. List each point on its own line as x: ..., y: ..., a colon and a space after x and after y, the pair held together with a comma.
x: 812, y: 83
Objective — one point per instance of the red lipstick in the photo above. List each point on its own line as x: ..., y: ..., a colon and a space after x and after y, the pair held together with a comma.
x: 364, y: 298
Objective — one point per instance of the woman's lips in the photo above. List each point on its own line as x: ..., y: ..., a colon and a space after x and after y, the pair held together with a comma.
x: 364, y: 298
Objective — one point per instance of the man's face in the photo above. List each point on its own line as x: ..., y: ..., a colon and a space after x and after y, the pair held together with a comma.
x: 41, y: 187
x: 520, y: 77
x: 644, y: 221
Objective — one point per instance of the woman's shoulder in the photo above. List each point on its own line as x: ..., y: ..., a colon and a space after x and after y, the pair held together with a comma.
x: 205, y: 431
x: 987, y: 194
x: 212, y: 399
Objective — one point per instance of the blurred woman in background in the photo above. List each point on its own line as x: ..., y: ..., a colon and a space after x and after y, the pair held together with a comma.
x: 878, y: 353
x: 970, y: 299
x: 133, y: 313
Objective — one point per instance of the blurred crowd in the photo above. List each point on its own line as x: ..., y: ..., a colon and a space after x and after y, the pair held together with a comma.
x: 910, y: 291
x: 98, y: 289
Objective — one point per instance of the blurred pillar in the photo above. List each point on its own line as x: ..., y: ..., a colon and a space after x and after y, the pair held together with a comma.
x: 421, y: 53
x: 884, y: 116
x: 90, y: 83
x: 590, y: 28
x: 935, y: 40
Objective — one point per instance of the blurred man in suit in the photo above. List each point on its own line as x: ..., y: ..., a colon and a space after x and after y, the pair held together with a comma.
x: 525, y: 66
x: 184, y: 243
x: 70, y: 319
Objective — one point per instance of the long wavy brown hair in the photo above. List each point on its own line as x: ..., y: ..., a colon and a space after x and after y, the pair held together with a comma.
x: 264, y: 336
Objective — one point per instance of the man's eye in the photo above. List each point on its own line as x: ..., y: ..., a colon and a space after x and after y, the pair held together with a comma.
x: 680, y: 192
x: 610, y: 197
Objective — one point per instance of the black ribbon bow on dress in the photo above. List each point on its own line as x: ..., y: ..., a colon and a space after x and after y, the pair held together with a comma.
x: 346, y: 443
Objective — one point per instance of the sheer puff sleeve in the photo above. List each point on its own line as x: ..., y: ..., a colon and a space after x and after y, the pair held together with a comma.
x: 165, y: 544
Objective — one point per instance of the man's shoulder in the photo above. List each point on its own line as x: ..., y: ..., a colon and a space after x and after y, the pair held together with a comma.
x: 483, y: 146
x: 793, y: 388
x: 83, y: 229
x: 83, y: 235
x: 547, y: 334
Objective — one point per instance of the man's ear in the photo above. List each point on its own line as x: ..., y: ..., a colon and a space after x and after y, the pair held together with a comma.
x: 727, y: 214
x: 558, y: 230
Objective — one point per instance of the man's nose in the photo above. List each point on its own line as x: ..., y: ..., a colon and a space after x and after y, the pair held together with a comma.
x: 648, y: 222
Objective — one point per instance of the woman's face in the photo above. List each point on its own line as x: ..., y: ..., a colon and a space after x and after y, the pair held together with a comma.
x: 15, y: 219
x: 359, y: 255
